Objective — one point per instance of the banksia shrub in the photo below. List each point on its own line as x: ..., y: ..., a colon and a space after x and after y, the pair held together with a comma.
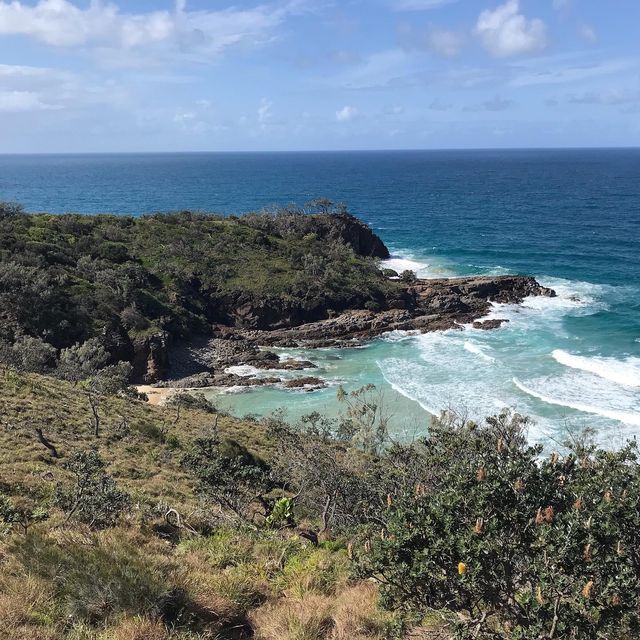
x: 547, y: 561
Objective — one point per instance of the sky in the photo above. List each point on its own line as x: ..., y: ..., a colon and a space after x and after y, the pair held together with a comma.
x: 197, y: 75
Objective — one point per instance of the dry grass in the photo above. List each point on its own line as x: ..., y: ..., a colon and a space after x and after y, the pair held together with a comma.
x: 350, y: 614
x: 137, y: 628
x: 140, y: 443
x: 128, y: 582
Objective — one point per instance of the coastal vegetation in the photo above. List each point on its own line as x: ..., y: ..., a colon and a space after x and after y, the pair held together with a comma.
x: 66, y: 279
x: 120, y: 520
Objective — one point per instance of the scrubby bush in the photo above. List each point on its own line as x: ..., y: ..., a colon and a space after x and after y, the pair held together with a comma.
x: 230, y: 476
x: 93, y: 497
x: 408, y: 276
x: 512, y: 546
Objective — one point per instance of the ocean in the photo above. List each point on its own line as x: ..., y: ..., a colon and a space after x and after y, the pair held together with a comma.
x: 571, y: 218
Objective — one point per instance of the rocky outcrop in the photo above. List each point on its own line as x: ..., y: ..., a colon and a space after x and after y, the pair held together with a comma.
x: 434, y: 305
x: 151, y: 357
x: 425, y: 305
x: 358, y: 236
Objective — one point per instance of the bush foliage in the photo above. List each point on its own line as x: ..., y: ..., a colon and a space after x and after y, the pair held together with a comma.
x: 510, y: 545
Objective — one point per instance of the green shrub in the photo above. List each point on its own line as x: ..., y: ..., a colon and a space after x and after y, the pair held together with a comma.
x: 94, y: 497
x: 513, y: 546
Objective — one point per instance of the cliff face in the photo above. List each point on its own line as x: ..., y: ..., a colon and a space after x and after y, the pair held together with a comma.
x: 358, y: 236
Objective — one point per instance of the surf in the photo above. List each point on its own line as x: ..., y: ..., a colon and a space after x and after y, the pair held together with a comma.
x: 625, y: 372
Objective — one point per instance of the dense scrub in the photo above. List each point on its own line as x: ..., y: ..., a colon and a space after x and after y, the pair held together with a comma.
x: 66, y: 279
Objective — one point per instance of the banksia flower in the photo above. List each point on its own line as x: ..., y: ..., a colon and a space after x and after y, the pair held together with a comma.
x: 586, y: 554
x: 587, y: 590
x: 519, y: 485
x: 544, y: 515
x: 350, y: 550
x: 462, y: 568
x: 500, y: 445
x: 555, y: 456
x: 620, y: 549
x: 383, y: 535
x: 389, y: 500
x: 367, y: 546
x: 420, y: 489
x: 479, y: 526
x: 481, y: 474
x: 577, y: 505
x: 539, y: 597
x: 561, y: 480
x: 589, y: 522
x: 607, y: 496
x: 616, y: 601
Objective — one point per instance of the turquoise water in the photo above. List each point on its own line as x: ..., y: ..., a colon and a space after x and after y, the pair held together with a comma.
x: 569, y: 217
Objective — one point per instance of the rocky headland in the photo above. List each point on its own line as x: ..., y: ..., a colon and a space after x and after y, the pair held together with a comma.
x: 197, y: 300
x: 422, y: 306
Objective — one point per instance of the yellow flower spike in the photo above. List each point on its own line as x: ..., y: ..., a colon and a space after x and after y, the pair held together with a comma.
x: 462, y: 568
x: 539, y: 597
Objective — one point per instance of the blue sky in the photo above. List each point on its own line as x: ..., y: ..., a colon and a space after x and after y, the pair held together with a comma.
x: 314, y: 74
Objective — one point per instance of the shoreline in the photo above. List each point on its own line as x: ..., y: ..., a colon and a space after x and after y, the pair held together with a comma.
x: 213, y: 363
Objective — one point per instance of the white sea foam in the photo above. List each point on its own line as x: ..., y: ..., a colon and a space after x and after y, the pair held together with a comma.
x: 625, y: 372
x: 586, y: 393
x: 474, y: 348
x: 572, y: 299
x: 243, y: 370
x: 401, y: 264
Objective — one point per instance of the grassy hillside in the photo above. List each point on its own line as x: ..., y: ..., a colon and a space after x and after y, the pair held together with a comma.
x: 144, y: 578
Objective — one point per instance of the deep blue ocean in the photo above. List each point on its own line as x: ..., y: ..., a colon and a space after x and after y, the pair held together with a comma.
x: 569, y: 217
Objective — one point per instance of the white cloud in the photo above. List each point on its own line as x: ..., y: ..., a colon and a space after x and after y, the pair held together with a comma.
x: 418, y: 5
x: 444, y: 42
x: 103, y: 25
x: 19, y: 101
x: 505, y: 32
x: 439, y: 105
x: 346, y: 114
x: 588, y: 33
x: 561, y: 5
x: 265, y: 114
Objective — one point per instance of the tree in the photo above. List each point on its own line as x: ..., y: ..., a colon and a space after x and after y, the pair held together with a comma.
x: 511, y: 546
x: 22, y: 513
x: 365, y: 422
x: 10, y: 209
x: 108, y: 381
x: 328, y: 479
x: 229, y: 475
x: 32, y: 355
x: 408, y: 276
x: 82, y: 361
x: 93, y: 497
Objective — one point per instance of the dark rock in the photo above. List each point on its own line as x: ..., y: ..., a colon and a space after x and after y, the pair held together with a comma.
x: 358, y: 236
x: 489, y: 324
x: 151, y: 357
x: 309, y: 381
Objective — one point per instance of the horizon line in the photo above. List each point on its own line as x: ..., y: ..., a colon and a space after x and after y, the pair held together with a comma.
x: 304, y: 151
